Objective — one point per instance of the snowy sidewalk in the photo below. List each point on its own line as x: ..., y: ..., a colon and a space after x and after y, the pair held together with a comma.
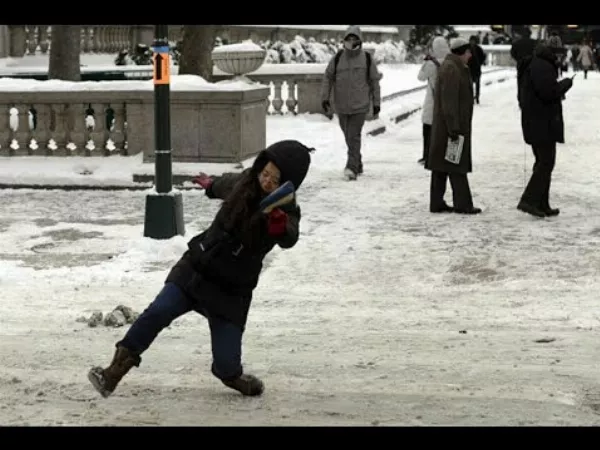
x: 383, y: 314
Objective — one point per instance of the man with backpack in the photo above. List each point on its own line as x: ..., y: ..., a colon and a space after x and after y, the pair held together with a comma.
x: 353, y: 76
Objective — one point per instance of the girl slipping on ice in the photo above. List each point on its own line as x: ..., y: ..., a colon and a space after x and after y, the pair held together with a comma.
x: 217, y: 275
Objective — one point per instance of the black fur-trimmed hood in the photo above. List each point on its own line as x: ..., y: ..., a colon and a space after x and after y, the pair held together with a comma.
x: 291, y: 157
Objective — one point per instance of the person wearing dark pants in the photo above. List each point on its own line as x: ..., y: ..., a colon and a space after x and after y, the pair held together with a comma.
x: 461, y: 192
x: 171, y: 303
x: 537, y: 193
x: 541, y: 97
x: 426, y: 142
x: 352, y: 125
x: 218, y: 273
x: 452, y: 118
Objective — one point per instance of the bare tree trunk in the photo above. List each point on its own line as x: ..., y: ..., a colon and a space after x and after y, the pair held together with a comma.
x: 65, y: 52
x: 197, y: 45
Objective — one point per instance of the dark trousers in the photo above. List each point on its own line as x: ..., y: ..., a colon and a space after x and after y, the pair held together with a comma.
x: 537, y: 192
x: 477, y: 83
x: 426, y: 140
x: 461, y: 191
x: 171, y: 303
x: 352, y: 125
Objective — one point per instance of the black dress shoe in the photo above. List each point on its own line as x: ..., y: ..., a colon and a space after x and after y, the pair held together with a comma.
x: 550, y: 212
x: 471, y: 210
x: 442, y: 209
x: 530, y: 209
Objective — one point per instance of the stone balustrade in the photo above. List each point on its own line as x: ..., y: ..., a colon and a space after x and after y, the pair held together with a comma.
x: 216, y: 125
x: 33, y: 39
x: 498, y: 55
x: 294, y: 92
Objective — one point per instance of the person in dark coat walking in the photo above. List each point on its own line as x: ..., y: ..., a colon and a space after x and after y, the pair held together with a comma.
x: 543, y: 126
x: 522, y: 52
x: 452, y: 118
x: 217, y: 275
x: 477, y: 60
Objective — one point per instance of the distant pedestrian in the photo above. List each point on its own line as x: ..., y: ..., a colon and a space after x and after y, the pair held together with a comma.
x: 353, y: 77
x: 428, y: 72
x: 475, y: 63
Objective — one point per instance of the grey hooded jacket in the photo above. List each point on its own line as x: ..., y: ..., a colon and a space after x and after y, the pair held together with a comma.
x: 353, y: 90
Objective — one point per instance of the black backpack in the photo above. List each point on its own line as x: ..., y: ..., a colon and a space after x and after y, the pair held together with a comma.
x: 336, y: 60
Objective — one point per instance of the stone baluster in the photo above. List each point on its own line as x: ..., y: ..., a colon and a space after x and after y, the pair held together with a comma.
x: 76, y: 129
x: 107, y: 39
x: 57, y: 141
x: 32, y: 39
x: 87, y: 42
x: 104, y: 39
x: 116, y: 130
x: 22, y: 133
x: 291, y: 101
x: 97, y: 136
x: 44, y: 39
x: 113, y: 39
x: 98, y: 39
x: 41, y: 117
x: 5, y: 130
x: 123, y: 38
x: 117, y: 39
x: 13, y: 124
x: 277, y: 100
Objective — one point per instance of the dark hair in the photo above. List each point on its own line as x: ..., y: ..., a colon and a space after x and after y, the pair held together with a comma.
x: 240, y: 209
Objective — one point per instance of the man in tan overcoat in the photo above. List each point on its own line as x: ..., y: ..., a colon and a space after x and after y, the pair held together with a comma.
x: 452, y: 117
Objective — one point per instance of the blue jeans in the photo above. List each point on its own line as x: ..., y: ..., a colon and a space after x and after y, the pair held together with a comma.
x: 171, y: 303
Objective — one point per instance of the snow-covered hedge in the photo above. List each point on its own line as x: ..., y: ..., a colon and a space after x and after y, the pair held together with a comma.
x: 302, y: 50
x: 298, y: 51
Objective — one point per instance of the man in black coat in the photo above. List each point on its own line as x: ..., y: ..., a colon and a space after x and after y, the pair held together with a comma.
x: 477, y: 60
x: 543, y: 126
x: 522, y: 52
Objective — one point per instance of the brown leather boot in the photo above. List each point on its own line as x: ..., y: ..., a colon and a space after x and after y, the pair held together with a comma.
x: 246, y: 384
x: 106, y: 380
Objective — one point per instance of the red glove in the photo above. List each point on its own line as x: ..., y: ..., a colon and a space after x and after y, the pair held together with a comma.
x: 203, y: 180
x: 276, y: 222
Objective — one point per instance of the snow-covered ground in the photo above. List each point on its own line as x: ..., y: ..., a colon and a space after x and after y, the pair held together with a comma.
x: 383, y: 314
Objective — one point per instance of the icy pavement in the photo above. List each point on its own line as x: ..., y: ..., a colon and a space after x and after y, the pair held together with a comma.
x: 383, y: 314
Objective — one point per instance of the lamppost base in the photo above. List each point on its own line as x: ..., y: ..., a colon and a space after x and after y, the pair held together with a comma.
x: 164, y: 216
